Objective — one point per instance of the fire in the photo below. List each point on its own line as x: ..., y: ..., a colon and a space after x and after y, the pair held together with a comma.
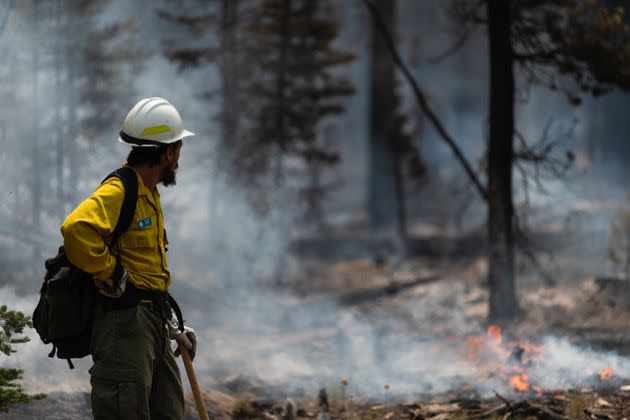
x: 606, y: 373
x: 520, y: 382
x: 509, y: 359
x: 498, y: 357
x: 487, y: 347
x: 495, y: 332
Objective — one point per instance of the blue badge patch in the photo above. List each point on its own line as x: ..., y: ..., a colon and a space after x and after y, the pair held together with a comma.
x: 145, y: 223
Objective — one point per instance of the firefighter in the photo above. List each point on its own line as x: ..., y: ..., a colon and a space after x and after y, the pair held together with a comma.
x: 135, y: 374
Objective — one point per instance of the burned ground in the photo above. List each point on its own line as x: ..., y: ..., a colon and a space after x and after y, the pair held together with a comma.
x: 442, y: 302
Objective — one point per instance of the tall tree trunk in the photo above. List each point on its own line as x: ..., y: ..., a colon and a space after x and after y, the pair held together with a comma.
x: 383, y: 200
x: 72, y: 116
x: 280, y: 123
x: 228, y: 117
x: 503, y: 303
x: 314, y: 214
x: 229, y: 71
x: 36, y: 187
x: 401, y: 197
x: 58, y: 131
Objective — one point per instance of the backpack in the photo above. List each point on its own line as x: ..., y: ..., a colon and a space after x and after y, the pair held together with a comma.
x: 63, y: 315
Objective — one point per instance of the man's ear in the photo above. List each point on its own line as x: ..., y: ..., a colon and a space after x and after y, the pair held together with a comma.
x: 169, y: 153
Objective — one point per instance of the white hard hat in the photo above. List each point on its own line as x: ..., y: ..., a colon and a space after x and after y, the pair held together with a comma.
x: 152, y: 122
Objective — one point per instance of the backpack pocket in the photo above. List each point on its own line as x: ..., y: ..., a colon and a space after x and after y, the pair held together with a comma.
x: 69, y: 301
x: 63, y: 315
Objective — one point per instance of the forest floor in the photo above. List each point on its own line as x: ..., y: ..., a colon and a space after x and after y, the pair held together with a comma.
x: 421, y: 294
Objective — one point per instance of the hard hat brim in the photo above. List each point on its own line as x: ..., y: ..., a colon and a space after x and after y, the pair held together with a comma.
x: 185, y: 134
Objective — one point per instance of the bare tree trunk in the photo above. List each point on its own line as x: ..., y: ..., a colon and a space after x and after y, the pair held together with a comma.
x: 229, y: 109
x: 280, y: 123
x: 58, y: 131
x: 314, y: 214
x: 401, y: 197
x: 36, y: 187
x: 383, y: 197
x: 229, y: 70
x: 72, y: 117
x: 503, y: 303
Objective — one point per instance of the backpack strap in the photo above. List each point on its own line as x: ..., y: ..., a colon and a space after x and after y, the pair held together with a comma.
x: 130, y: 182
x: 178, y: 312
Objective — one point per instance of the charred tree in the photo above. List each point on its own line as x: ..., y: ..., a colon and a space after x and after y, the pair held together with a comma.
x: 231, y: 100
x: 548, y: 40
x: 58, y: 10
x: 229, y: 71
x: 383, y: 200
x: 503, y: 303
x: 36, y: 169
x: 393, y: 158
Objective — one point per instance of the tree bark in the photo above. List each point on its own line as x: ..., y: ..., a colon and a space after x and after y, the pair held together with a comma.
x: 503, y: 303
x: 36, y: 187
x: 228, y: 117
x: 280, y: 123
x: 71, y: 142
x: 229, y: 70
x: 58, y: 132
x: 383, y: 200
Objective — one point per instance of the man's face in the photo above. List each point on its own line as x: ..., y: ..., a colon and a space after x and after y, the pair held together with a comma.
x: 170, y: 170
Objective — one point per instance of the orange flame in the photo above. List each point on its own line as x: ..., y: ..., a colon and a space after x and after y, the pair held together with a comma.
x: 494, y: 331
x: 520, y: 382
x: 499, y: 355
x: 607, y: 373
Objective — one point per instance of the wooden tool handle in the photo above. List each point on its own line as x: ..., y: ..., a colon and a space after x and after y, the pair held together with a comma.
x: 201, y: 406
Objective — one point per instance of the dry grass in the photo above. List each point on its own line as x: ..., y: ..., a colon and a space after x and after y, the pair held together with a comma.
x: 577, y: 404
x: 242, y: 407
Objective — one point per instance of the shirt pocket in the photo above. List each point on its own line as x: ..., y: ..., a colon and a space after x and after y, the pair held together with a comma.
x: 140, y: 251
x: 138, y: 239
x: 142, y: 233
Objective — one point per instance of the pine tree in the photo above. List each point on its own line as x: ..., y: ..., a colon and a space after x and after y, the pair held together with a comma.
x: 12, y: 323
x: 276, y: 61
x: 101, y: 66
x: 85, y: 78
x: 293, y: 86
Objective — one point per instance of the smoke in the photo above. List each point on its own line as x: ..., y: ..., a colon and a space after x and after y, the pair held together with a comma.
x: 296, y: 344
x: 234, y: 276
x: 564, y: 365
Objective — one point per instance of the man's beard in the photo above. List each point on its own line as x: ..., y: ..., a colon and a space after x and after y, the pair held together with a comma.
x: 168, y: 178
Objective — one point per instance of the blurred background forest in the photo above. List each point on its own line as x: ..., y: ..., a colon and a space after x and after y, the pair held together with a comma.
x: 315, y: 161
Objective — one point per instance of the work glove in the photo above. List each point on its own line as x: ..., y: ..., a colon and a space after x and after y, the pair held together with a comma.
x: 115, y: 285
x: 187, y: 339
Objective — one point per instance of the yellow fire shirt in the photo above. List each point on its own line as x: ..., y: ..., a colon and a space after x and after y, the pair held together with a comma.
x: 89, y: 228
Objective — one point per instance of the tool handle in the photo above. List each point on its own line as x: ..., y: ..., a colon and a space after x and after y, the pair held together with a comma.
x: 201, y: 406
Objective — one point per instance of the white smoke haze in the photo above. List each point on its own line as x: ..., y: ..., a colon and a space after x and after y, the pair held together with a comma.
x: 564, y: 365
x: 233, y: 274
x: 298, y: 344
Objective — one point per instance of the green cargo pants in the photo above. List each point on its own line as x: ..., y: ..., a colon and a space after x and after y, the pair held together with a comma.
x: 134, y: 375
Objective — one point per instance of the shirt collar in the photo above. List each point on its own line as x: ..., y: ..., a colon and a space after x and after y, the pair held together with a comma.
x: 142, y: 189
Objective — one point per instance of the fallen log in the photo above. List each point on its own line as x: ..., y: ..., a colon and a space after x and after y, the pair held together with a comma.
x: 391, y: 289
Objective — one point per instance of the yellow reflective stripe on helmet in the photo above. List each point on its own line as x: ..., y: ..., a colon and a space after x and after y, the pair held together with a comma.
x: 156, y: 130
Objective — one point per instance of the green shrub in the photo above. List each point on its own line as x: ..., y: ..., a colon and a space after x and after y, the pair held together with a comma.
x: 12, y: 323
